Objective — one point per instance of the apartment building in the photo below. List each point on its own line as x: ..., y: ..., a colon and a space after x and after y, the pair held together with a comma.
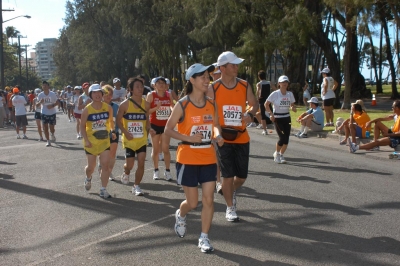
x: 45, y: 66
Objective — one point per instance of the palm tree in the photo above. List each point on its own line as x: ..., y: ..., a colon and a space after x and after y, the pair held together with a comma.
x: 11, y: 32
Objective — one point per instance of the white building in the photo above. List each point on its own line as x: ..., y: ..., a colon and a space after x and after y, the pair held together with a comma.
x: 45, y: 66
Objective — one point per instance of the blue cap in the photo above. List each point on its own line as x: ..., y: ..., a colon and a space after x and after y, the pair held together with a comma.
x: 197, y: 68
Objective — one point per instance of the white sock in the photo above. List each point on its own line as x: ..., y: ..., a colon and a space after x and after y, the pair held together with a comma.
x: 203, y: 235
x: 302, y: 128
x: 102, y: 188
x: 305, y: 130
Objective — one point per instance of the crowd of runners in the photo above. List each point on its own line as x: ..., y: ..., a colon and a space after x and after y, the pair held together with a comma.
x: 210, y: 121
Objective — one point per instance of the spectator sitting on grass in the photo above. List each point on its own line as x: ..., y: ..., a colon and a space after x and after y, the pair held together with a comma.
x: 391, y: 137
x: 355, y: 126
x: 313, y: 119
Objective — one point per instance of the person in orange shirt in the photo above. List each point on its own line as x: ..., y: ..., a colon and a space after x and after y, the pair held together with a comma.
x: 197, y: 119
x: 356, y: 125
x: 230, y: 94
x: 391, y: 136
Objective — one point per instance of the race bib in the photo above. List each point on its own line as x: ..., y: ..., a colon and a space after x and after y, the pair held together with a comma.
x: 206, y: 131
x: 136, y: 129
x: 99, y: 125
x: 232, y: 115
x: 47, y: 101
x: 284, y: 102
x: 163, y: 113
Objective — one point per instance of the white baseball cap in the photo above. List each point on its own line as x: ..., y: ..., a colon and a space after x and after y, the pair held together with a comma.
x: 313, y: 100
x: 325, y: 70
x: 228, y: 57
x: 94, y: 87
x: 216, y: 71
x: 283, y: 79
x: 167, y: 81
x: 159, y: 78
x: 153, y: 81
x: 37, y: 90
x: 115, y: 80
x: 197, y: 68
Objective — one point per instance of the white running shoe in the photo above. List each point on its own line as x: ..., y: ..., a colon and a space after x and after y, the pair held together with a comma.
x: 298, y: 134
x: 156, y: 175
x: 264, y: 132
x: 204, y: 245
x: 24, y: 137
x: 231, y: 215
x: 104, y: 194
x: 167, y: 175
x: 111, y: 178
x: 137, y: 191
x: 69, y: 120
x: 48, y: 143
x: 277, y: 157
x: 259, y: 126
x: 218, y: 187
x: 352, y: 147
x: 282, y: 159
x: 88, y: 183
x: 18, y: 136
x: 53, y: 138
x: 160, y: 157
x: 78, y: 136
x: 180, y: 224
x: 252, y: 124
x: 125, y: 179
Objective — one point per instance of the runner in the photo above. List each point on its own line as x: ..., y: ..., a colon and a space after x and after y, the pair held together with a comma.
x: 11, y: 110
x: 74, y: 102
x: 133, y: 121
x: 18, y: 102
x: 108, y: 95
x: 119, y: 92
x: 97, y: 123
x: 160, y: 102
x: 38, y: 114
x: 282, y: 101
x: 231, y: 94
x: 68, y: 103
x: 48, y: 100
x: 197, y: 119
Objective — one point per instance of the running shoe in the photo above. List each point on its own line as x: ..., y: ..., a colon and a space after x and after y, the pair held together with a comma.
x: 259, y: 126
x: 18, y: 136
x: 88, y: 183
x: 298, y: 134
x: 352, y: 147
x: 277, y: 157
x: 104, y: 194
x: 137, y: 191
x: 156, y: 175
x: 218, y: 187
x: 24, y: 137
x: 53, y: 138
x: 234, y: 199
x: 48, y: 143
x: 125, y: 179
x: 376, y: 148
x: 231, y: 215
x: 180, y: 224
x: 282, y: 159
x: 111, y: 178
x: 41, y: 139
x: 204, y: 245
x: 252, y: 124
x: 167, y: 175
x: 160, y: 157
x: 78, y: 136
x: 69, y: 120
x: 264, y: 132
x: 303, y: 136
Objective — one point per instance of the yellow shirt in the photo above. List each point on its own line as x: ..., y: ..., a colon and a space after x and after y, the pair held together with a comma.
x: 97, y: 120
x: 134, y: 120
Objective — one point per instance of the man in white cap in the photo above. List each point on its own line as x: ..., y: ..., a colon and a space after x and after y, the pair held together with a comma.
x: 312, y: 119
x: 119, y: 93
x: 230, y: 94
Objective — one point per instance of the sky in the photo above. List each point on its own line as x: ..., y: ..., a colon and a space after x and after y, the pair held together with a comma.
x: 45, y: 22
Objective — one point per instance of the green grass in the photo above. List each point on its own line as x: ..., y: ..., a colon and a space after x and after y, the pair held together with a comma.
x: 373, y: 114
x: 387, y: 89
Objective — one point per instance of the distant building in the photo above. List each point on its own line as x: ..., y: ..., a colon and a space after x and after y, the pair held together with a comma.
x: 32, y: 61
x: 45, y: 66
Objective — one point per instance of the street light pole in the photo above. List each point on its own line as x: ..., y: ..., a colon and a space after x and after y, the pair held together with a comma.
x: 19, y: 59
x: 26, y: 65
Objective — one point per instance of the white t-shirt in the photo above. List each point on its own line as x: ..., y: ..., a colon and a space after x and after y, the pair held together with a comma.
x: 119, y: 95
x: 68, y: 95
x: 281, y: 103
x: 19, y: 102
x: 75, y: 100
x: 49, y: 99
x: 329, y: 93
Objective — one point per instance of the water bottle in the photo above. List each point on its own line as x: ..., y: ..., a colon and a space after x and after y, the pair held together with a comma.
x: 367, y: 134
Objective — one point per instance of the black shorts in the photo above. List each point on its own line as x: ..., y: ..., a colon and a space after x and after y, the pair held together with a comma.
x: 394, y: 142
x: 193, y: 175
x: 158, y: 129
x: 233, y: 159
x: 88, y: 153
x: 329, y: 102
x: 116, y: 139
x: 49, y: 119
x: 38, y: 115
x: 129, y: 153
x: 21, y: 120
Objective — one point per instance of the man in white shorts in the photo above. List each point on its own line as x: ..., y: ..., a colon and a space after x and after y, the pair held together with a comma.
x: 48, y: 101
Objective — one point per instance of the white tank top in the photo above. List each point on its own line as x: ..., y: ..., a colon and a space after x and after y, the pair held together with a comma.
x: 75, y: 99
x: 281, y: 103
x: 329, y: 93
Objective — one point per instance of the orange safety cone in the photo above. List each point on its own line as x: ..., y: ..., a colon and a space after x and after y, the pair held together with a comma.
x: 373, y: 102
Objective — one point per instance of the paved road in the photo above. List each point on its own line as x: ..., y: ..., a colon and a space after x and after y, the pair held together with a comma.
x: 325, y: 207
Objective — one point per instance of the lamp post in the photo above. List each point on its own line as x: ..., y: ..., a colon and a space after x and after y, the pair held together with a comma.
x: 19, y: 59
x: 1, y: 42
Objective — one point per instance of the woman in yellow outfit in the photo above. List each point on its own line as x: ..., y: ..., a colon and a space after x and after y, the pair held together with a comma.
x: 96, y: 124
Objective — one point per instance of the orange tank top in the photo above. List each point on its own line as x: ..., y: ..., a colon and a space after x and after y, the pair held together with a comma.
x: 196, y: 119
x: 231, y: 104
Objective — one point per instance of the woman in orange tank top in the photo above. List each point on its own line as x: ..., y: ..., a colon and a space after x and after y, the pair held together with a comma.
x: 197, y: 119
